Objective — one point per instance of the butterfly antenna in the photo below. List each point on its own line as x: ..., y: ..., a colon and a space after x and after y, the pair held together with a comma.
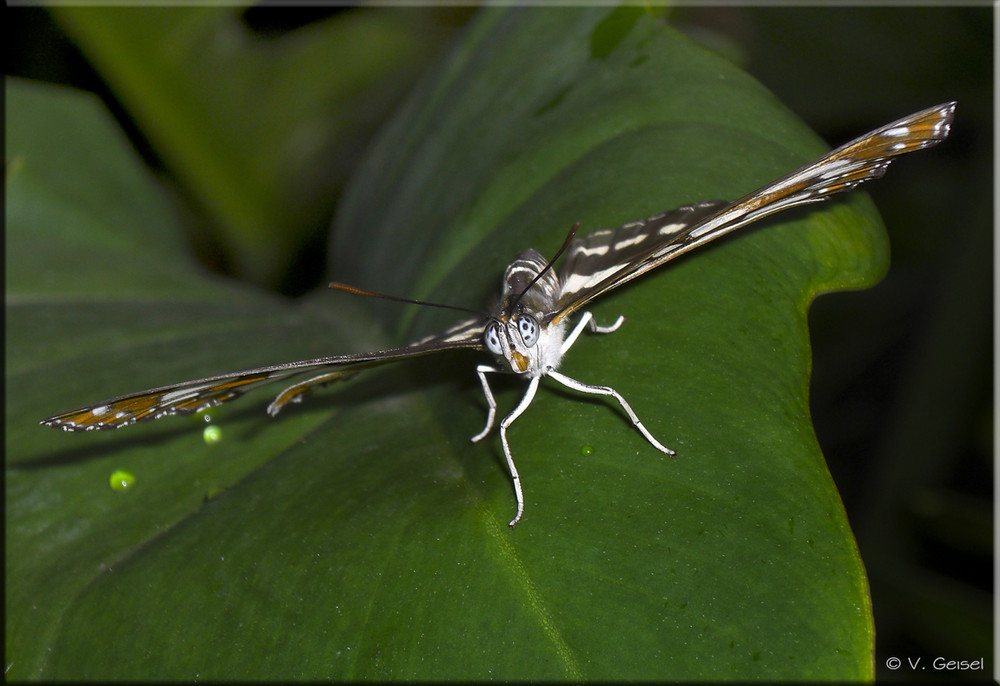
x: 548, y: 266
x: 395, y: 298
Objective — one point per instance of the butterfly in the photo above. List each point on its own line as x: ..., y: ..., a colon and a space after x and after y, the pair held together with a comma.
x: 529, y: 332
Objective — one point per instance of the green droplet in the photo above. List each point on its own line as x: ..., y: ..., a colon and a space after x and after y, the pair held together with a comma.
x: 587, y: 451
x: 212, y: 434
x: 121, y: 480
x: 206, y: 416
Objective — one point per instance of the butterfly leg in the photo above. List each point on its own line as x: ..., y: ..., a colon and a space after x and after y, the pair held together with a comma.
x: 607, y: 390
x: 482, y: 370
x: 529, y: 395
x: 587, y: 320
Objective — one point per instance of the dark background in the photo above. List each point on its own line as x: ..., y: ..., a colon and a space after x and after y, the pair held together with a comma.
x: 902, y: 390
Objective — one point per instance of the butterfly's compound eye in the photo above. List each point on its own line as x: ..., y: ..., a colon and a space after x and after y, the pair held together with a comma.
x: 492, y: 339
x: 528, y: 328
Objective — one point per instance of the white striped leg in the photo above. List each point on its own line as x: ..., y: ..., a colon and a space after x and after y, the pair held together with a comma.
x: 587, y: 319
x: 507, y: 421
x: 607, y: 390
x: 482, y: 370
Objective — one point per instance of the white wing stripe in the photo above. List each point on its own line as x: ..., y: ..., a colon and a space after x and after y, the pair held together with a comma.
x: 576, y: 282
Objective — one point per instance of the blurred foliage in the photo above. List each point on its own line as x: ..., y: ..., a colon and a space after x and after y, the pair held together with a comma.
x: 256, y: 117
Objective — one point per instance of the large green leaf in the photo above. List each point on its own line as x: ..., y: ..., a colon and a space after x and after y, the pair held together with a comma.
x: 361, y: 535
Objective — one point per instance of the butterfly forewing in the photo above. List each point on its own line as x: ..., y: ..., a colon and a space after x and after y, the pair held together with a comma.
x: 607, y: 259
x: 199, y: 394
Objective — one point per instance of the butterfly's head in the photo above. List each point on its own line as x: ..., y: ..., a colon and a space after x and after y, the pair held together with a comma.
x: 521, y: 342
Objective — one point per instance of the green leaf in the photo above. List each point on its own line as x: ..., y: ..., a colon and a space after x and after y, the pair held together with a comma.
x: 361, y: 535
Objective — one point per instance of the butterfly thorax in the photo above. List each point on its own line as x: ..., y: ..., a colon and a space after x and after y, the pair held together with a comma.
x: 516, y: 334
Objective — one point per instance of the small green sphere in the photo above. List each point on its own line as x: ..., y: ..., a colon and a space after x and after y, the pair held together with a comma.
x: 212, y: 434
x: 121, y: 480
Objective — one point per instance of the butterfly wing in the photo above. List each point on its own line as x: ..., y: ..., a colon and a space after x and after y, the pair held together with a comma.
x: 193, y: 396
x: 605, y: 260
x: 606, y: 256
